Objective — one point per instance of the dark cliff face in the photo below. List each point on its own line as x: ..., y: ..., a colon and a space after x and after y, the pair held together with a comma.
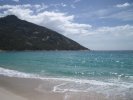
x: 16, y: 34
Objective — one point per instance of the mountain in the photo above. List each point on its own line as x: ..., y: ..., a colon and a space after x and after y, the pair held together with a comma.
x: 17, y: 34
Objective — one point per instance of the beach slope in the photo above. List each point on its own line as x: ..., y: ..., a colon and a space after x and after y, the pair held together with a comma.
x: 7, y: 95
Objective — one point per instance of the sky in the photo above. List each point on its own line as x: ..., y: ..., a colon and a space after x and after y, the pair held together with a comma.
x: 95, y: 24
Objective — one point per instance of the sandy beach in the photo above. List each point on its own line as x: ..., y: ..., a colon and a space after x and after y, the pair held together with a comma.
x: 8, y: 95
x: 12, y: 88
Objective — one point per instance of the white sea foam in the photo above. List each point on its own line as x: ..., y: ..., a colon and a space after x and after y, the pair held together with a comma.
x: 14, y: 73
x: 76, y: 85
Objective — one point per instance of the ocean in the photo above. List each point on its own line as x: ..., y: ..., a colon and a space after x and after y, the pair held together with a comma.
x: 107, y: 72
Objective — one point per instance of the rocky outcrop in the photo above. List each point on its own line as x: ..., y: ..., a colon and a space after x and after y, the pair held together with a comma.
x: 17, y: 34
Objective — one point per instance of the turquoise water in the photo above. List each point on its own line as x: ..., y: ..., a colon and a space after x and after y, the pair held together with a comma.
x: 104, y: 70
x: 77, y: 64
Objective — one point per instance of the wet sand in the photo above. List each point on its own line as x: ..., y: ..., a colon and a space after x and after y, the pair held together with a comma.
x: 12, y: 88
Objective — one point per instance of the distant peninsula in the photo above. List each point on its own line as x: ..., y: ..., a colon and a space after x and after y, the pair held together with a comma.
x: 17, y: 34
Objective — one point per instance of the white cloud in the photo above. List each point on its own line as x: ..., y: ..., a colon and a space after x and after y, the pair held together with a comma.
x: 36, y: 7
x: 73, y: 6
x: 41, y: 7
x: 63, y: 5
x: 75, y: 1
x: 60, y: 22
x: 57, y: 5
x: 15, y: 6
x: 125, y: 30
x: 108, y: 38
x: 110, y: 13
x: 123, y: 5
x: 123, y: 15
x: 16, y: 0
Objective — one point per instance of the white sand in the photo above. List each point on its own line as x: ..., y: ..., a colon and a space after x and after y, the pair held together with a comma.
x: 12, y: 88
x: 7, y: 95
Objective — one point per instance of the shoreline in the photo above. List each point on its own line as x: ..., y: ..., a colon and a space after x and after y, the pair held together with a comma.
x: 16, y: 88
x: 36, y: 89
x: 33, y: 87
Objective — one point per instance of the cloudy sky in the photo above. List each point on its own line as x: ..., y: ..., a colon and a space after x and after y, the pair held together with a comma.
x: 96, y: 24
